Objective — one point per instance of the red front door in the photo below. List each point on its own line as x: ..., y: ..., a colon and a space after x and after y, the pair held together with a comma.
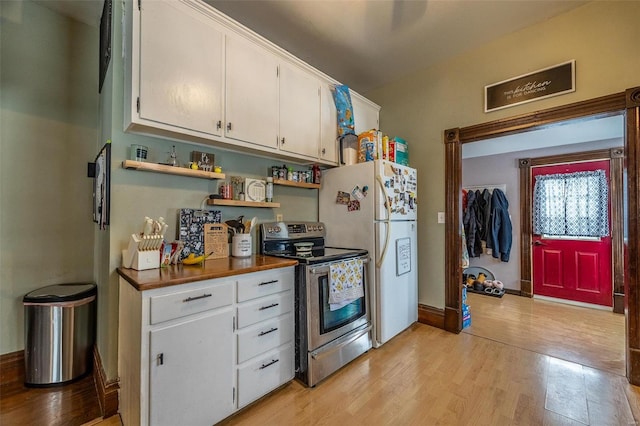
x: 573, y: 269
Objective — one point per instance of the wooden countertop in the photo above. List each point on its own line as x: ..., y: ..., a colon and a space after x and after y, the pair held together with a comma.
x: 212, y: 268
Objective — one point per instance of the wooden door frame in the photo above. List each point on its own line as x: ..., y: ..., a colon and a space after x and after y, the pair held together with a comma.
x: 627, y: 102
x: 615, y: 157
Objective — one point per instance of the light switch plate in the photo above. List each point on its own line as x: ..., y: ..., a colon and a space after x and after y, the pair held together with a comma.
x: 279, y: 217
x: 440, y: 217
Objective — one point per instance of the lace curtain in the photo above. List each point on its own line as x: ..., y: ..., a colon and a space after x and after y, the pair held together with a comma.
x: 574, y: 204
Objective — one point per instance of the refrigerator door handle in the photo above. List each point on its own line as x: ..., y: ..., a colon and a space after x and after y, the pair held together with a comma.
x: 386, y: 243
x: 387, y: 205
x: 383, y: 191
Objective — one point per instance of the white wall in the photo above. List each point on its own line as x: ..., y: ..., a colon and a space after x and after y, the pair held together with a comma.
x: 48, y: 121
x: 602, y: 38
x: 504, y: 169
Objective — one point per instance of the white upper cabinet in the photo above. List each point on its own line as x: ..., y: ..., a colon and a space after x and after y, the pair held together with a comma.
x: 181, y: 68
x: 299, y: 111
x: 194, y: 75
x: 328, y: 125
x: 251, y: 93
x: 365, y: 114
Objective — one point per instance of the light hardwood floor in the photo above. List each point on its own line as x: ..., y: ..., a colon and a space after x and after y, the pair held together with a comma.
x: 522, y: 362
x: 519, y: 363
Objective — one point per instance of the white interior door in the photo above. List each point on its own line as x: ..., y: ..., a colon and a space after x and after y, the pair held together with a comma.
x: 396, y: 290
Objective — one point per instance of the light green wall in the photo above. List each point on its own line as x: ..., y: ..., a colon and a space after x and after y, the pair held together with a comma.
x: 48, y: 121
x: 601, y: 36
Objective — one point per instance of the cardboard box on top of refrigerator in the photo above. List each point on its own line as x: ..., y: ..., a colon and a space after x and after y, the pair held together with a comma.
x: 369, y: 145
x: 401, y: 151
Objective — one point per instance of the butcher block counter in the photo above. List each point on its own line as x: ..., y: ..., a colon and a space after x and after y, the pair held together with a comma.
x: 210, y: 269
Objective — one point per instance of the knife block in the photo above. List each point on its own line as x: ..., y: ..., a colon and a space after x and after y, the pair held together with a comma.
x: 140, y: 259
x: 147, y: 259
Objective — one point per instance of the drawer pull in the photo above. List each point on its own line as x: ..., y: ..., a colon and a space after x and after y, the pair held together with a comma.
x: 273, y: 361
x: 273, y: 305
x: 191, y: 299
x: 268, y: 331
x: 268, y: 282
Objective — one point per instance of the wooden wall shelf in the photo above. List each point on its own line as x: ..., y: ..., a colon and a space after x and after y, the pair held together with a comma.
x: 171, y: 170
x: 238, y: 203
x: 296, y: 184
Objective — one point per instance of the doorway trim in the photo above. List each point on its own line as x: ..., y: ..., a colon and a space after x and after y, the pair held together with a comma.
x: 615, y: 157
x: 627, y: 102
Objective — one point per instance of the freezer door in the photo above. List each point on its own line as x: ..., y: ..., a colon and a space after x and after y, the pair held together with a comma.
x: 396, y: 284
x: 398, y: 185
x: 348, y: 224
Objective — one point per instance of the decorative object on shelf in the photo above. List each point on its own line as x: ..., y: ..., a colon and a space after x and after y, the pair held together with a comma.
x: 255, y: 190
x: 173, y: 157
x: 269, y: 190
x: 138, y: 152
x: 204, y: 160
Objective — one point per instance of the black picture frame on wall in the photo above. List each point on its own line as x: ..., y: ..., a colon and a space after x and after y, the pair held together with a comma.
x: 102, y: 186
x: 105, y: 42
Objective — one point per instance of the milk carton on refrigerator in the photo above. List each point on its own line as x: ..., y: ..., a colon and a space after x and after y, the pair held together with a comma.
x: 373, y: 205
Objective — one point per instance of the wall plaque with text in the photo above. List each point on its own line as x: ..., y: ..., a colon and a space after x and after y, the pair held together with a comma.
x: 544, y: 83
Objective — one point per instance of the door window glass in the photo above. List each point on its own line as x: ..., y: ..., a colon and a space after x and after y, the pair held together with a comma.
x: 572, y: 204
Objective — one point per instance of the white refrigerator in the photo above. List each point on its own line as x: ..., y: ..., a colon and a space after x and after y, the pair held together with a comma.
x: 373, y: 206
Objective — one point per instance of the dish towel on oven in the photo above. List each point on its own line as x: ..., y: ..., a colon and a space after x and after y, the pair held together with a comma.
x: 345, y: 281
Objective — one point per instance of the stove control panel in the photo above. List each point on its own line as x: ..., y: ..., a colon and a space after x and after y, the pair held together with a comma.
x: 292, y: 230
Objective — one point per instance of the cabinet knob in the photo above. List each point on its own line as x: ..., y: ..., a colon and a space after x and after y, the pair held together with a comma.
x: 219, y: 124
x: 324, y: 151
x: 160, y: 359
x: 229, y: 126
x: 282, y: 141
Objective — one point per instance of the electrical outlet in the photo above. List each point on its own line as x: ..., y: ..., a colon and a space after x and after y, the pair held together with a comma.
x: 279, y: 217
x: 440, y: 217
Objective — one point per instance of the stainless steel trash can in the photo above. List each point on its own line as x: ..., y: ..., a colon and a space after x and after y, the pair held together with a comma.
x: 60, y: 323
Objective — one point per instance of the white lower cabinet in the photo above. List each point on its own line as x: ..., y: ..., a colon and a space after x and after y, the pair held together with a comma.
x: 194, y: 354
x: 190, y: 381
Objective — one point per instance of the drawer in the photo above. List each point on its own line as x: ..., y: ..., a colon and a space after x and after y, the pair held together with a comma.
x: 265, y: 283
x: 262, y: 337
x: 263, y: 375
x: 180, y: 304
x: 264, y: 308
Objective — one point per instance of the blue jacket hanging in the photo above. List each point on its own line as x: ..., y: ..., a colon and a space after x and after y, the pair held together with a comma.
x: 500, y: 226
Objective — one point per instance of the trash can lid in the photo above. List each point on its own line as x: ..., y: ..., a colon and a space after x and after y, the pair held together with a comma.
x: 61, y: 293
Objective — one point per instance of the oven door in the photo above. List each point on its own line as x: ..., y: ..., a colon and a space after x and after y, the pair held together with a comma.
x: 323, y: 324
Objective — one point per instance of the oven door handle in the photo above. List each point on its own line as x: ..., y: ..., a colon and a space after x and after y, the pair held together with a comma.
x: 325, y: 269
x: 338, y: 343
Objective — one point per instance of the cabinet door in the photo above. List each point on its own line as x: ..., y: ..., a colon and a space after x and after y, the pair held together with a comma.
x: 328, y: 125
x: 365, y: 115
x: 181, y: 70
x: 191, y: 371
x: 251, y: 93
x: 299, y: 111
